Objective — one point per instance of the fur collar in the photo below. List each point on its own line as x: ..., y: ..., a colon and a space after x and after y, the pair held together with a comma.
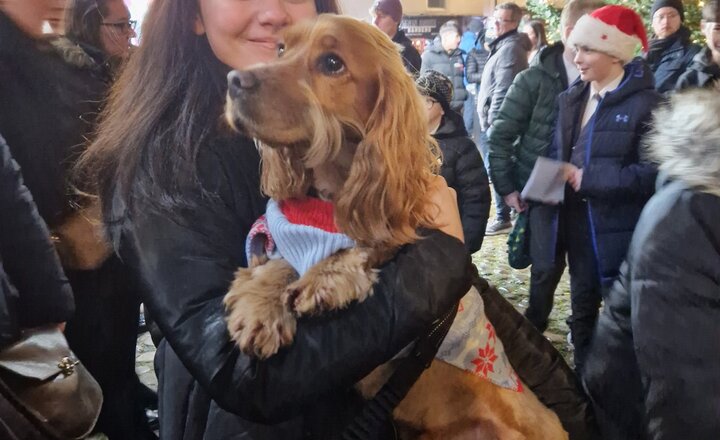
x: 685, y: 140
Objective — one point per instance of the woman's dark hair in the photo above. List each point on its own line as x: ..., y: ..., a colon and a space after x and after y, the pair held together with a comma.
x: 539, y: 28
x: 167, y: 101
x: 83, y: 20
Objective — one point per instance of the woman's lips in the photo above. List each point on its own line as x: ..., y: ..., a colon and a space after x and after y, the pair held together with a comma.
x: 266, y: 43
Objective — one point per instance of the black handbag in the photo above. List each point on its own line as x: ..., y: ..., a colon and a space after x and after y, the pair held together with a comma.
x: 45, y: 392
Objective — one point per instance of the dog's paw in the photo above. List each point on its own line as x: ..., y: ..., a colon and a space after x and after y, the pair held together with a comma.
x: 332, y: 284
x: 257, y: 319
x: 262, y: 335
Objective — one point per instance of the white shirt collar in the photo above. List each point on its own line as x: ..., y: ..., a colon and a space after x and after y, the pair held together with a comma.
x: 612, y: 85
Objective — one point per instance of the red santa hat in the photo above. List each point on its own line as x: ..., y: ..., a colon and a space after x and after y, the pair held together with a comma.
x: 614, y: 30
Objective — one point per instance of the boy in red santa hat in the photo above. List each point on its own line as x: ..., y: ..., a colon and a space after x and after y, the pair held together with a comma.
x: 601, y: 119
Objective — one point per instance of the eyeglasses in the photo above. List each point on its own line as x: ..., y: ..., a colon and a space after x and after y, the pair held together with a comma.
x: 668, y: 16
x: 122, y: 25
x: 429, y: 102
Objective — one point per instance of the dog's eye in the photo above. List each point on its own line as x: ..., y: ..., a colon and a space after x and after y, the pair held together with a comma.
x: 280, y: 49
x: 331, y: 64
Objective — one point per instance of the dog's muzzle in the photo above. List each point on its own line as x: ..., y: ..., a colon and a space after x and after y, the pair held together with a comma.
x: 240, y: 82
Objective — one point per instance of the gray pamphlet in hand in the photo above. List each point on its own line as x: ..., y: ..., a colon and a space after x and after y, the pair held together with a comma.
x: 546, y: 183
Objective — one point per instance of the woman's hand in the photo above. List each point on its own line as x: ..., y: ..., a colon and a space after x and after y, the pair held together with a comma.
x: 448, y: 216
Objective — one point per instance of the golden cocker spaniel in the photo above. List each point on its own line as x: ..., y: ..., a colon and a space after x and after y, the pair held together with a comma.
x: 337, y: 116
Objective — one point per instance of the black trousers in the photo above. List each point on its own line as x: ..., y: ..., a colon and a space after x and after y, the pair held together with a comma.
x: 585, y: 285
x: 103, y: 334
x: 574, y: 243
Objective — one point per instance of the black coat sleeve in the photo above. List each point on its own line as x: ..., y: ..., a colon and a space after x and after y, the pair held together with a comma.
x: 188, y: 264
x: 473, y: 192
x: 27, y: 254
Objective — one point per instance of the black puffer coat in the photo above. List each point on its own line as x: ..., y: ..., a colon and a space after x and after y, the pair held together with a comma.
x: 33, y: 288
x: 451, y: 65
x: 653, y: 368
x: 207, y: 388
x: 475, y: 64
x: 464, y: 171
x: 703, y: 72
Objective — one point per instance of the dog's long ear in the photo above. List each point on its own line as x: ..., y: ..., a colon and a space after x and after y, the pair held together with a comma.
x: 386, y: 196
x: 283, y: 175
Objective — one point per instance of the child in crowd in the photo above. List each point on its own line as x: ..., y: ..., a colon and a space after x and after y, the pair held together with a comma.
x: 601, y: 120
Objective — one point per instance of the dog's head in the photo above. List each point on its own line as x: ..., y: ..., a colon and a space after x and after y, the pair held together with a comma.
x: 340, y: 83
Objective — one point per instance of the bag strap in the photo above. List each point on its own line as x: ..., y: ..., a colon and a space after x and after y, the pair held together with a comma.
x: 376, y: 412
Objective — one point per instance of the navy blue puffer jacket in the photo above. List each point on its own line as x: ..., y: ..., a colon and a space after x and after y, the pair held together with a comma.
x: 616, y: 181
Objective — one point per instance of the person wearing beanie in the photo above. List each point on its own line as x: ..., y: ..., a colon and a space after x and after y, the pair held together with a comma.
x: 386, y: 16
x: 704, y: 71
x: 446, y: 57
x: 601, y: 119
x: 522, y: 132
x: 671, y: 51
x: 462, y: 166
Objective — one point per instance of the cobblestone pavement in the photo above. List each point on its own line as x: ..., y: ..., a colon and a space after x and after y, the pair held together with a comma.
x: 491, y: 262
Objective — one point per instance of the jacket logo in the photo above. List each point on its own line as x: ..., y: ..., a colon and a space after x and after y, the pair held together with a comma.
x: 622, y: 118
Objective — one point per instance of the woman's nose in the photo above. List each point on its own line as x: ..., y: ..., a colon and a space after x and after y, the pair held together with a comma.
x: 274, y: 13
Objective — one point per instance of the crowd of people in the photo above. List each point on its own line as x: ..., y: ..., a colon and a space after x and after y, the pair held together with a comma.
x: 120, y: 184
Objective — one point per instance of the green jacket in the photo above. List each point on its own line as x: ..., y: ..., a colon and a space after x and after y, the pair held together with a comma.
x: 523, y: 129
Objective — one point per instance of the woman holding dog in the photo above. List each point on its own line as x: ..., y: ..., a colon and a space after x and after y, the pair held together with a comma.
x: 179, y: 193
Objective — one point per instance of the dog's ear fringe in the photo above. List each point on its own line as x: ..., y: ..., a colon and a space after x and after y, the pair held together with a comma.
x: 283, y: 176
x: 394, y: 165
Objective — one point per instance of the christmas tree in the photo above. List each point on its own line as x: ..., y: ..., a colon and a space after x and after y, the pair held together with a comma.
x: 549, y: 11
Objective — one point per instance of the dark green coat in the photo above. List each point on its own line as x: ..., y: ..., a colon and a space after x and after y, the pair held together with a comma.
x: 523, y: 129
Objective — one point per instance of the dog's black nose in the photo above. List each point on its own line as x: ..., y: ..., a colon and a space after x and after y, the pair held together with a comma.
x: 240, y: 81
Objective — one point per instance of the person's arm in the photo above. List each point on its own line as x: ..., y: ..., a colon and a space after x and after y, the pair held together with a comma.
x: 512, y: 61
x: 675, y: 315
x: 188, y: 266
x: 473, y: 191
x: 511, y: 122
x: 28, y: 256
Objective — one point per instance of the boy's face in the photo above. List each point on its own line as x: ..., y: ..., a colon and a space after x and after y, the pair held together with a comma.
x: 594, y: 65
x: 711, y: 29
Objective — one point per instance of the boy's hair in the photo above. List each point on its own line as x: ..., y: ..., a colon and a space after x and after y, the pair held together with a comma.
x: 449, y: 26
x: 517, y: 12
x: 710, y: 11
x: 575, y: 9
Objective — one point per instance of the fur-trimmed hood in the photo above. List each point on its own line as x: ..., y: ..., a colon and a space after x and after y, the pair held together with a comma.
x: 84, y: 57
x: 685, y: 139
